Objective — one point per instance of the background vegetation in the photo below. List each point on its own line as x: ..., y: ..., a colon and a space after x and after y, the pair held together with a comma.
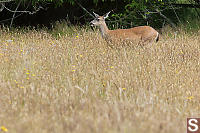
x: 125, y: 13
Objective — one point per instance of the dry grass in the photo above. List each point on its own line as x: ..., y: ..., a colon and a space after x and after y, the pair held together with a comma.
x: 79, y: 85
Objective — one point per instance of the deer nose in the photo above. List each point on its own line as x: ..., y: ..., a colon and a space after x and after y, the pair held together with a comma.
x: 91, y: 23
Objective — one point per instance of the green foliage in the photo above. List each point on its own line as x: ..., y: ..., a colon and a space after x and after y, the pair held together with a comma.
x: 147, y: 12
x: 127, y: 13
x: 59, y: 2
x: 138, y: 12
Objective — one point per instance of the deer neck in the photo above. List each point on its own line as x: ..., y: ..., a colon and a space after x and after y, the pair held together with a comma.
x: 104, y: 30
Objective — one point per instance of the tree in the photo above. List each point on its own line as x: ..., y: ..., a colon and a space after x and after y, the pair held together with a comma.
x: 126, y: 13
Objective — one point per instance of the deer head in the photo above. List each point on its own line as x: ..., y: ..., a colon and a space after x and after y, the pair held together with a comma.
x: 99, y: 20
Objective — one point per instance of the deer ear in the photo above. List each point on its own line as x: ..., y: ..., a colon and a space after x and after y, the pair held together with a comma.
x: 96, y: 15
x: 106, y: 15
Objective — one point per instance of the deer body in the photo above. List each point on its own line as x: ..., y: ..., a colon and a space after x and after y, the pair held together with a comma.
x: 140, y: 34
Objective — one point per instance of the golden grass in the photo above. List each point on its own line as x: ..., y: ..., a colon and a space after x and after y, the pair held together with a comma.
x: 78, y: 84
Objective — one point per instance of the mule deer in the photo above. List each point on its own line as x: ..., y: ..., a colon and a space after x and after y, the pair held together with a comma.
x: 140, y: 34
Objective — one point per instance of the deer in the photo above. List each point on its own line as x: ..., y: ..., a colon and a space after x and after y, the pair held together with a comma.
x: 140, y: 34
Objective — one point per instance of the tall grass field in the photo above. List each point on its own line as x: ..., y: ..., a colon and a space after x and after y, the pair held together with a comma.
x: 76, y: 83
